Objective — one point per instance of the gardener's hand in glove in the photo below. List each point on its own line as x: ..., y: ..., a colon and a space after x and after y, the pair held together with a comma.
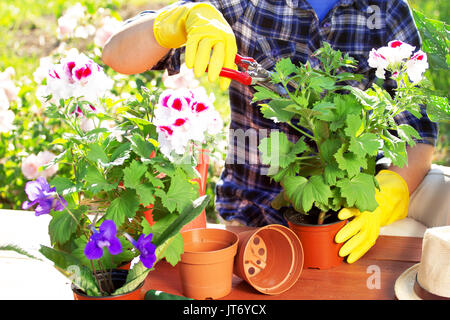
x: 201, y: 28
x: 362, y: 231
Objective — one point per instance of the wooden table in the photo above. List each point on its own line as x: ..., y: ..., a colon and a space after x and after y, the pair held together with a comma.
x: 370, y: 278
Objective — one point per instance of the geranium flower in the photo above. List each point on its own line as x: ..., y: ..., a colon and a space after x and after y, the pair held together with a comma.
x: 396, y: 51
x: 104, y: 237
x: 378, y: 61
x: 6, y: 120
x: 184, y: 116
x: 45, y: 197
x: 77, y: 76
x: 109, y: 26
x: 146, y: 248
x: 416, y: 66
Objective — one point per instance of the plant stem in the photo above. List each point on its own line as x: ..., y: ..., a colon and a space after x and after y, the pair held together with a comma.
x: 321, y: 217
x: 301, y: 131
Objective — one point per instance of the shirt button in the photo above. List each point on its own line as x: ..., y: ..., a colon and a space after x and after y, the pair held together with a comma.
x: 326, y: 25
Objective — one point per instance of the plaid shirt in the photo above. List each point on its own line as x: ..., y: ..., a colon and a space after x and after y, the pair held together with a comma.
x: 268, y: 30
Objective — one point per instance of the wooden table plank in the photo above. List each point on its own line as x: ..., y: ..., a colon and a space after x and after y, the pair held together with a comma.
x: 372, y: 277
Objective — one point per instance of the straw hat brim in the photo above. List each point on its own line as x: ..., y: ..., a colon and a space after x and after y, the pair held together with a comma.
x: 404, y: 285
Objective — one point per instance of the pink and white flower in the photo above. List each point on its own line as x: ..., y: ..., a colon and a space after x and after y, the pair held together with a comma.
x: 7, y: 85
x: 378, y: 61
x: 69, y: 24
x: 183, y: 117
x: 396, y: 51
x: 416, y: 66
x: 184, y: 79
x: 31, y: 165
x: 77, y: 76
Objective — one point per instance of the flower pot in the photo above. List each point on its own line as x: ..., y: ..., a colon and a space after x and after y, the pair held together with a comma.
x: 319, y: 248
x: 118, y: 278
x: 206, y: 266
x: 202, y: 168
x: 270, y: 259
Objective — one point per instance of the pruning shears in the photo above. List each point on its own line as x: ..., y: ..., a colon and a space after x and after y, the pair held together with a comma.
x: 253, y: 74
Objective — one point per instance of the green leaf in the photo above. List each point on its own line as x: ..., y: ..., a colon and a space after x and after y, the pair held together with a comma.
x: 331, y: 173
x: 135, y: 277
x: 349, y: 161
x: 96, y: 154
x: 63, y: 225
x: 359, y: 191
x: 406, y: 133
x: 304, y: 192
x: 438, y: 109
x: 133, y: 174
x: 262, y: 93
x: 277, y: 151
x: 283, y: 68
x: 354, y: 123
x: 145, y: 193
x: 365, y: 144
x: 322, y: 83
x: 95, y: 181
x: 142, y: 147
x: 189, y: 213
x: 64, y: 186
x: 181, y: 192
x: 123, y: 207
x: 275, y: 111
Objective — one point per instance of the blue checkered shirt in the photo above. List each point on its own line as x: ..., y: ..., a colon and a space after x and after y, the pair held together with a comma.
x: 268, y: 30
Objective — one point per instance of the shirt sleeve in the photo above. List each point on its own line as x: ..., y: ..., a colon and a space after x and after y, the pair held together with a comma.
x: 400, y: 25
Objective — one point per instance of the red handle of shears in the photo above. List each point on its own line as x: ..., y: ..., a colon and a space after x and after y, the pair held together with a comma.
x: 236, y: 75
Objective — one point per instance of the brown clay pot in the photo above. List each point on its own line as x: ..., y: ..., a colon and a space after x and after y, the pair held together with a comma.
x: 206, y: 266
x: 319, y: 248
x: 270, y: 259
x: 118, y: 279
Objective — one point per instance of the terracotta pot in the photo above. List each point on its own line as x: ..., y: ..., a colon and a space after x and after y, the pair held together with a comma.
x: 206, y: 266
x: 319, y: 248
x: 118, y: 279
x: 125, y: 266
x: 270, y: 258
x: 202, y: 168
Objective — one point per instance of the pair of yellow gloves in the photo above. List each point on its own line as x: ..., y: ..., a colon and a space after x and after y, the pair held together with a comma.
x: 203, y: 29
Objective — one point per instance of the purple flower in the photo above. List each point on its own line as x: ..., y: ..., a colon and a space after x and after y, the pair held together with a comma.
x: 105, y: 237
x: 146, y: 248
x: 39, y: 192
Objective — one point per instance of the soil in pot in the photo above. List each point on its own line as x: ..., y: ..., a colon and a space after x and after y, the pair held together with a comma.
x: 320, y: 249
x: 118, y: 278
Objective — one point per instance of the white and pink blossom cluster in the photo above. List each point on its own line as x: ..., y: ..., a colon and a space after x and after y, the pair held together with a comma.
x: 8, y: 94
x: 71, y: 24
x: 398, y: 57
x: 184, y: 117
x: 76, y: 76
x: 31, y: 165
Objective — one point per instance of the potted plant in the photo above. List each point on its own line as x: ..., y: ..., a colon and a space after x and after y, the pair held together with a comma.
x: 342, y: 129
x: 120, y: 165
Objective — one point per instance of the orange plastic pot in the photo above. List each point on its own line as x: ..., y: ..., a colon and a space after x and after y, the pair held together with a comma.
x: 118, y: 278
x: 320, y: 249
x: 206, y: 266
x: 202, y: 168
x: 270, y: 259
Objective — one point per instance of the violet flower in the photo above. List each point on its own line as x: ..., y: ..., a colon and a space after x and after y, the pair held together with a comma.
x: 146, y: 248
x: 39, y: 192
x: 104, y: 237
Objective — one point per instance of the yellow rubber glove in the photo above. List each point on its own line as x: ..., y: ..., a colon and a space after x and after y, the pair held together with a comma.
x: 362, y: 231
x: 202, y: 28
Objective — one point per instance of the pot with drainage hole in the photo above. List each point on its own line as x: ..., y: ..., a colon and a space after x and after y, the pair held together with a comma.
x: 270, y: 258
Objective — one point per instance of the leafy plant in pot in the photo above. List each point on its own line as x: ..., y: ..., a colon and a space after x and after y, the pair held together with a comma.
x: 120, y: 165
x: 342, y: 129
